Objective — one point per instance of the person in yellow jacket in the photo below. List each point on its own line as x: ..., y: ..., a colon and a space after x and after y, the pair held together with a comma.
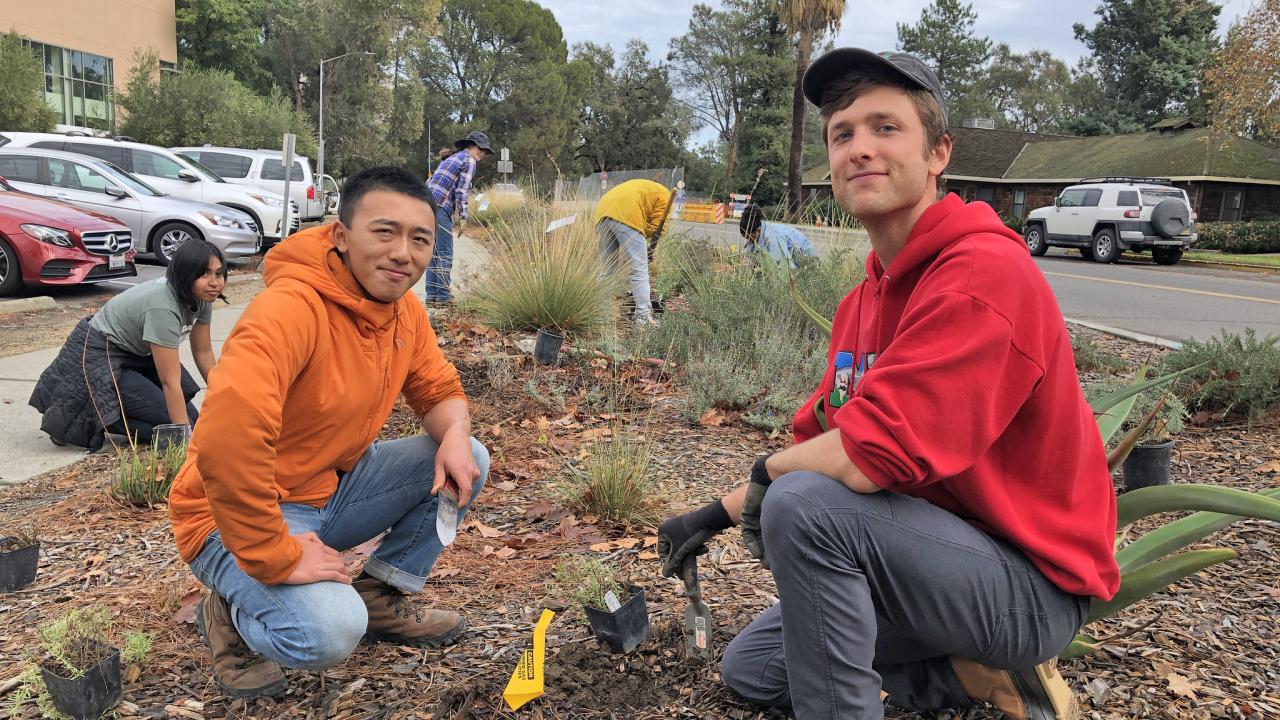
x: 627, y: 218
x: 282, y: 471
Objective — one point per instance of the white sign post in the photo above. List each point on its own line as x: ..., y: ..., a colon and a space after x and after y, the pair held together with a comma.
x: 287, y: 163
x: 505, y: 166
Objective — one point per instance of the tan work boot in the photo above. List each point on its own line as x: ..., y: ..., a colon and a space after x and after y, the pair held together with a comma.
x: 393, y: 618
x: 236, y: 668
x: 1039, y: 693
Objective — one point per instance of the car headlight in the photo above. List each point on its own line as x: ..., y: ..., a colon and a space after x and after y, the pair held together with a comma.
x: 268, y: 201
x: 221, y: 220
x: 46, y: 234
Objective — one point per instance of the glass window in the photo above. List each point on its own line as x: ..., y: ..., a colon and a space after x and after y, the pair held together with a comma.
x: 130, y: 181
x: 273, y: 169
x: 1019, y: 203
x: 986, y: 193
x: 1152, y: 197
x: 328, y: 184
x: 202, y: 170
x: 1072, y: 198
x: 95, y: 68
x: 1126, y: 198
x: 110, y: 153
x: 154, y: 164
x: 224, y: 164
x: 1091, y: 198
x: 77, y: 64
x: 74, y: 176
x: 48, y: 145
x: 20, y: 168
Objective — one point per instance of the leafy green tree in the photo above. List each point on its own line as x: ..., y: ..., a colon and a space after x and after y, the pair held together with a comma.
x: 22, y: 103
x: 207, y: 106
x: 807, y: 20
x: 1148, y: 57
x: 226, y: 35
x: 944, y: 38
x: 1032, y: 91
x: 1244, y: 80
x: 765, y: 134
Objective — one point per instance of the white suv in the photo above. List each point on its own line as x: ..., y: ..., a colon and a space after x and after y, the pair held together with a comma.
x: 1104, y: 217
x: 263, y: 169
x: 169, y: 173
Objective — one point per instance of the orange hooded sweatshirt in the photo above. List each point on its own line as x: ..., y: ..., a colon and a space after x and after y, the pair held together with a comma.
x: 304, y: 384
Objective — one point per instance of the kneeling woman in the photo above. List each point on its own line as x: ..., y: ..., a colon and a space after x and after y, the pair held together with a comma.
x: 119, y: 370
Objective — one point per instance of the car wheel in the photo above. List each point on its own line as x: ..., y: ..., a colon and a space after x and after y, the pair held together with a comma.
x: 1036, y: 242
x: 1104, y: 248
x: 168, y: 238
x: 1166, y: 256
x: 10, y: 270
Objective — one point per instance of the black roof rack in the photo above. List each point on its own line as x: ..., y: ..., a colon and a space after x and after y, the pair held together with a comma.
x: 1129, y: 179
x: 124, y: 138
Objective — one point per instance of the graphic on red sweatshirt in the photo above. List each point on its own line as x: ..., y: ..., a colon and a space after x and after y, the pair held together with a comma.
x: 945, y: 375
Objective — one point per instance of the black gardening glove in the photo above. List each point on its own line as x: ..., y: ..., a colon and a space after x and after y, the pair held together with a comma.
x: 756, y: 490
x: 689, y: 533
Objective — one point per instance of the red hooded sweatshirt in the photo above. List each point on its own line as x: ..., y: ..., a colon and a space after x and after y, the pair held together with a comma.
x: 956, y: 384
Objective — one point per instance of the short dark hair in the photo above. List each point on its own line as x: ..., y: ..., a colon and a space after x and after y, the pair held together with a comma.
x: 383, y: 177
x: 190, y: 262
x: 840, y: 94
x: 752, y: 219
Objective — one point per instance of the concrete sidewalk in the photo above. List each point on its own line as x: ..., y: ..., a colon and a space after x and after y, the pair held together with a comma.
x: 26, y: 452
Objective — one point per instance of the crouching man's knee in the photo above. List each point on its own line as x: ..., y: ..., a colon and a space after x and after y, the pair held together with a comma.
x: 755, y: 673
x: 327, y: 632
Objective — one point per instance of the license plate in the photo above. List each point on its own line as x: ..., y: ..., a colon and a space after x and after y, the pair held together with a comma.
x: 116, y: 262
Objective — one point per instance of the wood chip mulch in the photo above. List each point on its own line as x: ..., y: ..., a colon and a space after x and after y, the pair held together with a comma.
x: 1209, y: 648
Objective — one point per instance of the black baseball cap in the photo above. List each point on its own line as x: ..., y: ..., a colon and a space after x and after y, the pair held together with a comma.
x: 840, y: 62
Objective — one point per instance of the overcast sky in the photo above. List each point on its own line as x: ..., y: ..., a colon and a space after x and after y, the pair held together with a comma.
x: 1023, y: 24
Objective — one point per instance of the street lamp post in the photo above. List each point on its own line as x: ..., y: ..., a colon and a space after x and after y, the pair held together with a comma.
x: 320, y: 157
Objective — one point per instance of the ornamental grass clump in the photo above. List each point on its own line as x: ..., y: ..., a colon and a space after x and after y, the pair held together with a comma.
x: 496, y: 207
x: 615, y: 481
x: 144, y: 474
x: 537, y: 280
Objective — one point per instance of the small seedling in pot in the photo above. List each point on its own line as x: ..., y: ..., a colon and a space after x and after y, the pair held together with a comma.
x: 616, y: 611
x: 19, y: 558
x: 76, y: 671
x: 145, y: 473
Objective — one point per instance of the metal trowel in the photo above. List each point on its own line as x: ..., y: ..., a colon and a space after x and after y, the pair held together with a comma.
x: 447, y: 513
x: 697, y: 616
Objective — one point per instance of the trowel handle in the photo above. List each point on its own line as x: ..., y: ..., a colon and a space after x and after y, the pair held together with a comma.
x: 689, y: 573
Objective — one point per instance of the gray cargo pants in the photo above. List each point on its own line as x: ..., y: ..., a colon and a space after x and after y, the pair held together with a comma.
x: 876, y: 591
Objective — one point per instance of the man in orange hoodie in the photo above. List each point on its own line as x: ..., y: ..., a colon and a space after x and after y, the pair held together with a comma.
x: 283, y: 471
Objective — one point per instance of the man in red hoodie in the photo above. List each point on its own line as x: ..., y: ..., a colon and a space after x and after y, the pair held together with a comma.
x: 928, y: 542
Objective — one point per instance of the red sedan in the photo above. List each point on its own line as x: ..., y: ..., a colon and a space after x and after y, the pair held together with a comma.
x: 47, y: 242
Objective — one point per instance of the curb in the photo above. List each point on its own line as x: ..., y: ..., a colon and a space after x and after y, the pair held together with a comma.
x: 239, y: 279
x: 1127, y: 334
x: 31, y: 304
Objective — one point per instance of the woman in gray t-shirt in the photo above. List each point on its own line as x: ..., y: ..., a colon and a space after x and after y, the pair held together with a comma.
x: 119, y: 370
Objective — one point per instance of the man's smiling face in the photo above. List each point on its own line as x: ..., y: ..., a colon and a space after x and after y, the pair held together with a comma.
x: 880, y: 163
x: 388, y: 244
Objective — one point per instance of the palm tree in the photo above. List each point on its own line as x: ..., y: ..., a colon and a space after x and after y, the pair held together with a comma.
x: 807, y: 19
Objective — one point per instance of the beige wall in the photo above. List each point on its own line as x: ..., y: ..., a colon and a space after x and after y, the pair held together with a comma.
x: 112, y: 28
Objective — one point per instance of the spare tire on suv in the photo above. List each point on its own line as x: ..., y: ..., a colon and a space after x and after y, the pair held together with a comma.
x: 1170, y: 218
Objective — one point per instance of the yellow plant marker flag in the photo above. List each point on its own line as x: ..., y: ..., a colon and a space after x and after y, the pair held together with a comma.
x: 526, y: 680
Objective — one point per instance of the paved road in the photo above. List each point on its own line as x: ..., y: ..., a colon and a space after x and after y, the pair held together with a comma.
x: 1175, y: 303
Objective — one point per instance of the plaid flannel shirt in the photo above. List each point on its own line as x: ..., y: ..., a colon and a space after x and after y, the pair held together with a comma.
x: 451, y: 181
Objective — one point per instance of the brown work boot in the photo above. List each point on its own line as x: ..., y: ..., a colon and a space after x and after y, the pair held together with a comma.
x: 393, y: 618
x: 1038, y: 693
x: 237, y: 669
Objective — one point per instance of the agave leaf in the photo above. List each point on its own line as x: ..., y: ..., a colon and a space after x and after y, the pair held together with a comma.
x: 1153, y: 577
x: 1118, y: 453
x: 1137, y: 504
x: 815, y: 317
x: 1112, y: 418
x: 1110, y: 400
x: 1080, y: 646
x: 1176, y: 535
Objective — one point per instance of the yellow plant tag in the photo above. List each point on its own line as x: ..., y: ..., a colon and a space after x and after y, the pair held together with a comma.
x: 526, y: 681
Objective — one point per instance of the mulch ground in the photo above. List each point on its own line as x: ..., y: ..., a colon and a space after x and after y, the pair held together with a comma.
x: 1209, y: 647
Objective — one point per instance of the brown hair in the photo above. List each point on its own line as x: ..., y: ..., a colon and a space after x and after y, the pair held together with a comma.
x: 444, y: 153
x: 840, y: 94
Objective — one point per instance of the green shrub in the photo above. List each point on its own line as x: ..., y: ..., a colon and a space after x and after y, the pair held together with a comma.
x: 1170, y: 418
x: 584, y: 581
x: 22, y: 103
x: 746, y: 345
x: 535, y: 280
x: 616, y: 479
x: 1013, y: 222
x: 144, y: 475
x: 503, y: 207
x: 1249, y: 236
x: 1090, y: 357
x: 1241, y: 373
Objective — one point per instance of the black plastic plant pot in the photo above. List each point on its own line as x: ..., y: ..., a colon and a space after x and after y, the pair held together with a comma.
x: 659, y: 305
x: 18, y: 566
x: 89, y: 696
x: 625, y: 628
x: 1147, y: 466
x: 547, y: 349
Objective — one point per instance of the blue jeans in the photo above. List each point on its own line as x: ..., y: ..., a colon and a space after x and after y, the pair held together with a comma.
x: 616, y: 237
x: 317, y: 625
x: 441, y: 264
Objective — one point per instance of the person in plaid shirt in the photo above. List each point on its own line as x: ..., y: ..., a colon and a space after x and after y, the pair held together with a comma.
x: 449, y: 185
